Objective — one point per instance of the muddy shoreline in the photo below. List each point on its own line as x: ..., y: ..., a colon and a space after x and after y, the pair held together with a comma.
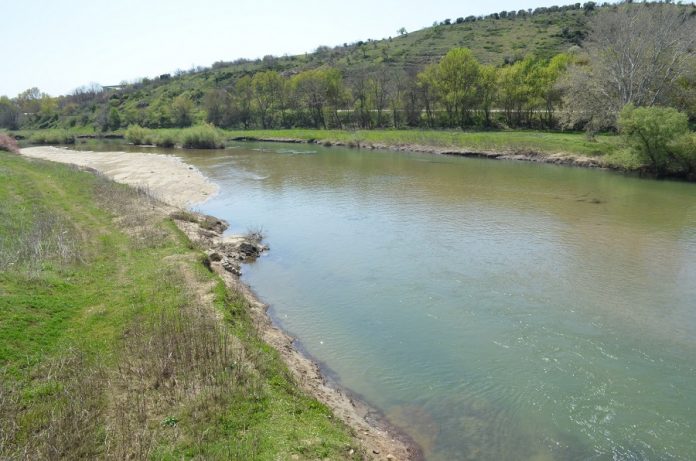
x: 184, y: 186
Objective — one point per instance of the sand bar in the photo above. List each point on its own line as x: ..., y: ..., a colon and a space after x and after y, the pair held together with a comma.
x: 167, y: 177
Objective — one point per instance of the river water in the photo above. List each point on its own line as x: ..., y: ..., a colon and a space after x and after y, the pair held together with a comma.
x: 494, y: 310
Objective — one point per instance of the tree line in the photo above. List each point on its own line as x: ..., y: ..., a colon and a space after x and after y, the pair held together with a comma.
x: 457, y: 92
x: 638, y: 54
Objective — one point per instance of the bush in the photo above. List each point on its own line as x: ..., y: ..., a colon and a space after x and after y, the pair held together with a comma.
x: 52, y: 137
x: 655, y: 135
x: 138, y: 135
x: 165, y: 139
x: 8, y: 143
x: 685, y: 153
x: 201, y: 137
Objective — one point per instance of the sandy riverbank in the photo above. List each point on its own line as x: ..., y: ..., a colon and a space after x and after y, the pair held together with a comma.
x: 176, y: 183
x: 166, y: 177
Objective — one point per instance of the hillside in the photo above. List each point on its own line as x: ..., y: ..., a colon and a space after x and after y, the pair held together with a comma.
x: 543, y: 33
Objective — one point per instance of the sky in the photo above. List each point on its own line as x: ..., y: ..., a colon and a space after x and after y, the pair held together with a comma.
x: 59, y: 45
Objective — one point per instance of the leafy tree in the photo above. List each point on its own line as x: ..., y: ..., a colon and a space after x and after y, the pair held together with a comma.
x: 488, y: 91
x: 427, y: 82
x: 182, y: 111
x: 684, y: 149
x: 458, y: 74
x: 311, y: 92
x: 653, y: 134
x: 335, y: 94
x: 268, y: 87
x: 244, y: 92
x: 551, y: 92
x: 511, y: 92
x: 9, y: 114
x: 114, y: 119
x: 158, y: 114
x: 29, y: 101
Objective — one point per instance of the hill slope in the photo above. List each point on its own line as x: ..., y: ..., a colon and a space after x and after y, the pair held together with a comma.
x: 496, y: 39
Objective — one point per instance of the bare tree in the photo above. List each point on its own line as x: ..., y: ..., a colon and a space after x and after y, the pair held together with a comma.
x: 636, y: 54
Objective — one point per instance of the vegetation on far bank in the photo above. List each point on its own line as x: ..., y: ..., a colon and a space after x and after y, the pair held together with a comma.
x: 604, y: 59
x: 117, y: 343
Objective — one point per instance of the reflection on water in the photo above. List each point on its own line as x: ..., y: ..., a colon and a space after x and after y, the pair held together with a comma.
x: 494, y: 310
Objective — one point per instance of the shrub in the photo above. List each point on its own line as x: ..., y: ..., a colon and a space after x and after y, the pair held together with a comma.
x: 653, y: 133
x: 8, y: 143
x: 201, y: 137
x: 138, y: 135
x: 165, y: 139
x: 52, y: 137
x: 685, y: 153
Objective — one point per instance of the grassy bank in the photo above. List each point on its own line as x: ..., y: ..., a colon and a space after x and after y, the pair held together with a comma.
x: 609, y: 150
x: 504, y: 141
x: 116, y: 342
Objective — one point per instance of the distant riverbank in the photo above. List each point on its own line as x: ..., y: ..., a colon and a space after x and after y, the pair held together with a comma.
x: 607, y: 151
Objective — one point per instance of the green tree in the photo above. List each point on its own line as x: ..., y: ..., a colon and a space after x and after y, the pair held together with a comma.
x: 427, y: 82
x: 158, y: 114
x: 488, y: 91
x: 521, y: 91
x: 29, y: 101
x: 458, y: 78
x: 114, y: 119
x: 336, y: 94
x: 267, y: 87
x: 653, y: 134
x: 182, y: 111
x: 244, y: 96
x: 551, y: 93
x: 9, y: 114
x: 311, y: 93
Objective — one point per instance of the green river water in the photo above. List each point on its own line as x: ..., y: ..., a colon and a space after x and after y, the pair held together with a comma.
x: 493, y: 310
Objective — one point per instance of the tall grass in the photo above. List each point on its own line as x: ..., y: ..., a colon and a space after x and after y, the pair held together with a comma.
x: 201, y: 137
x: 52, y: 137
x: 165, y: 138
x: 33, y: 241
x: 138, y: 135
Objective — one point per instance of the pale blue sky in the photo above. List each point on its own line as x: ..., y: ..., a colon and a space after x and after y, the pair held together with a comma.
x: 58, y: 45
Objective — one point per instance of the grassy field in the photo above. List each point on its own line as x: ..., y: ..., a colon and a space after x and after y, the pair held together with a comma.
x: 117, y: 343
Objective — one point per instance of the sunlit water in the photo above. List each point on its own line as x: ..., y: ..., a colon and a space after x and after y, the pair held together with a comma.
x: 493, y: 310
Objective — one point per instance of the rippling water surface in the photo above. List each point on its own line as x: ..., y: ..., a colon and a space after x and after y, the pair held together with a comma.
x: 494, y: 310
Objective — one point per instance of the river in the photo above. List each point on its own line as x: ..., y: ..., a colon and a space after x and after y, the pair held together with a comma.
x: 493, y: 310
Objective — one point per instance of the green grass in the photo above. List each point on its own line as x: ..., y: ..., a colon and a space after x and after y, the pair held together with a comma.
x: 494, y: 141
x: 52, y: 137
x: 201, y: 137
x: 106, y: 349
